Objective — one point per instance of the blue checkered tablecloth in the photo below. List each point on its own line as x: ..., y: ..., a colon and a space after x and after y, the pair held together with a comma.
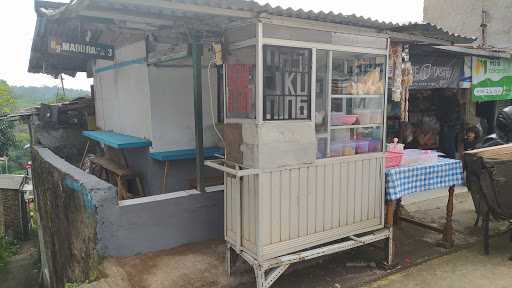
x: 402, y: 181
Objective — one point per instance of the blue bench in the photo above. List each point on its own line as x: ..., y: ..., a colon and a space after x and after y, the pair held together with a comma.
x: 117, y: 140
x: 185, y: 154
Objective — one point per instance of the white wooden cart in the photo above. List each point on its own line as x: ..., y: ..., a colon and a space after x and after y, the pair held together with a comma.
x: 290, y: 194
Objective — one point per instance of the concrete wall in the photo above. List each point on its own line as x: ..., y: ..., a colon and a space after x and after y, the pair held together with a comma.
x: 10, y: 214
x: 160, y: 222
x: 67, y: 200
x: 61, y: 132
x: 278, y: 144
x: 122, y: 94
x: 80, y: 218
x: 464, y: 17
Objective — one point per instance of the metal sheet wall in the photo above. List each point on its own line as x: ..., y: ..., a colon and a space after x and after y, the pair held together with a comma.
x: 286, y: 210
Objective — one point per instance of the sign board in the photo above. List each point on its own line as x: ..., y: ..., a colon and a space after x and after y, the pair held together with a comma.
x: 492, y: 79
x: 82, y: 49
x: 436, y: 72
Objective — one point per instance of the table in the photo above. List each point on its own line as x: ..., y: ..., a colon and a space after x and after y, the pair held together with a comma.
x: 119, y: 142
x: 403, y: 181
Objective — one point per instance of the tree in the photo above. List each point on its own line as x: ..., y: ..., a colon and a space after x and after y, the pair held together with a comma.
x: 7, y: 104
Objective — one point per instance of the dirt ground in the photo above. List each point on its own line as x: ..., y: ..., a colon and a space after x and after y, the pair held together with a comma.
x: 202, y: 265
x: 465, y: 269
x: 22, y: 270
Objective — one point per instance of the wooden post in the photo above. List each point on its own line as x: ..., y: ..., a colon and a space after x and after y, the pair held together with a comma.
x: 390, y: 213
x: 197, y: 51
x: 448, y: 241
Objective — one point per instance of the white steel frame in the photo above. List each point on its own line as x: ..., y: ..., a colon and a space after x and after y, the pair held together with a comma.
x: 267, y: 272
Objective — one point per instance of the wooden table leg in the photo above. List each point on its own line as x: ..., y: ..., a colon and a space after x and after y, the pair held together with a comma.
x: 164, y: 178
x: 390, y: 213
x: 447, y: 241
x: 85, y: 155
x: 398, y: 212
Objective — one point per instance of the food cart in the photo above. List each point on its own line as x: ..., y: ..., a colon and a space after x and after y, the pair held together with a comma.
x: 304, y: 137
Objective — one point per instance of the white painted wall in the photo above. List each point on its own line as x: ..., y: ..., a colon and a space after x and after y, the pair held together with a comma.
x: 151, y: 102
x: 122, y: 95
x: 172, y: 108
x: 464, y: 17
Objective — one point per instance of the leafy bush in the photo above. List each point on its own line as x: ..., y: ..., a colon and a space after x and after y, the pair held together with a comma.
x: 8, y: 248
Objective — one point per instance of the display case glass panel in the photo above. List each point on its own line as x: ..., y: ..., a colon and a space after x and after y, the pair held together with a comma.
x: 355, y: 105
x: 240, y: 77
x: 286, y: 83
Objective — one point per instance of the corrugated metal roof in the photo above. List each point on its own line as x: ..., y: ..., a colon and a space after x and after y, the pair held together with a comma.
x: 10, y: 182
x: 257, y: 9
x: 51, y: 13
x: 420, y: 29
x: 432, y: 31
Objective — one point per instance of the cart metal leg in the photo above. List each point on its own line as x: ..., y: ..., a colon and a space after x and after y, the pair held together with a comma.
x: 390, y: 249
x: 231, y: 258
x: 268, y: 271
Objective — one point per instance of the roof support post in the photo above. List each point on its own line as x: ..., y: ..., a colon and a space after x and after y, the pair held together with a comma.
x: 197, y: 52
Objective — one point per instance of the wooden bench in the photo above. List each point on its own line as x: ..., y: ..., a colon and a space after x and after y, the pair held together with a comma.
x: 117, y: 175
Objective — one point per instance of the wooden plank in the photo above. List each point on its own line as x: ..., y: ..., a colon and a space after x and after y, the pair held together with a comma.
x: 336, y: 190
x: 303, y: 202
x: 265, y: 209
x: 311, y: 200
x: 294, y: 203
x: 276, y: 206
x: 328, y: 197
x: 320, y: 198
x: 285, y: 204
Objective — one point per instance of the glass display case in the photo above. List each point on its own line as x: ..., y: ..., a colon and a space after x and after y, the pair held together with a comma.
x: 349, y: 103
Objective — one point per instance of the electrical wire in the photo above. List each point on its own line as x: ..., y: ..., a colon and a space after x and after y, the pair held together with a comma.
x: 212, y: 114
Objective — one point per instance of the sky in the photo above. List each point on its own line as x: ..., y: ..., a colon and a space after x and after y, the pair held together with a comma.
x: 17, y: 23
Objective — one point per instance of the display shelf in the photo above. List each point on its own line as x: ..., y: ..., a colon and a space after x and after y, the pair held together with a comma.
x: 355, y: 96
x: 355, y: 126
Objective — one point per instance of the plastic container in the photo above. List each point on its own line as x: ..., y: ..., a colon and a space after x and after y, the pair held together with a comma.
x: 413, y: 157
x: 374, y: 146
x: 362, y: 146
x: 349, y: 149
x: 393, y: 159
x: 339, y: 119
